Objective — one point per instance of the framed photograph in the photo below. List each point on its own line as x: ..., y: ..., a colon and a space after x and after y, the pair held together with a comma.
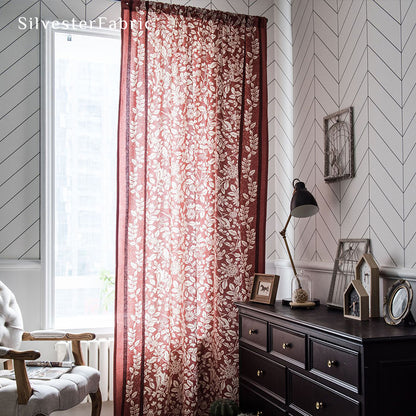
x: 264, y: 288
x: 397, y: 304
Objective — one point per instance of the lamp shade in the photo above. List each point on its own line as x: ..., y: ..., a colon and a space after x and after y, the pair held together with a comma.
x: 303, y: 203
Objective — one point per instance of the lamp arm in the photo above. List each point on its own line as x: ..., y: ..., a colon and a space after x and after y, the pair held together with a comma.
x: 283, y: 234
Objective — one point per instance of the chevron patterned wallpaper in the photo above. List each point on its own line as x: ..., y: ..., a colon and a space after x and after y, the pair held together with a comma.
x: 20, y: 115
x: 358, y: 53
x: 280, y: 79
x: 19, y: 133
x: 20, y: 102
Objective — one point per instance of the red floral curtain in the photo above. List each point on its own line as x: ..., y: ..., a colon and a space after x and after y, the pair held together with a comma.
x: 191, y: 203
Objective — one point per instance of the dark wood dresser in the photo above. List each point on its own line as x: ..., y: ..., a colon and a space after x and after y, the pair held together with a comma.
x: 316, y: 362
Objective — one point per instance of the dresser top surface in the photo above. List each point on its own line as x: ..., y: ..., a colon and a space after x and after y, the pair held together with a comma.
x: 333, y: 322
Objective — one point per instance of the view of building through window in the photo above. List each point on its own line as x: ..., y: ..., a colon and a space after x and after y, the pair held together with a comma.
x: 86, y: 92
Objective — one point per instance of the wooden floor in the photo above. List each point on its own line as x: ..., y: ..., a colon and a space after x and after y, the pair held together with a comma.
x: 85, y: 410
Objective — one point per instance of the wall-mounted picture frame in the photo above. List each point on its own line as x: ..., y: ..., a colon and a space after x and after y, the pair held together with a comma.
x: 349, y: 251
x: 264, y: 288
x: 339, y: 145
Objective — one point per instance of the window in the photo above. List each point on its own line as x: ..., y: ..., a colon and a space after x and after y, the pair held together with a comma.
x: 80, y: 107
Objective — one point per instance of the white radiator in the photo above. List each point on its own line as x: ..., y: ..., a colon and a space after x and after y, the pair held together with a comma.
x: 97, y: 353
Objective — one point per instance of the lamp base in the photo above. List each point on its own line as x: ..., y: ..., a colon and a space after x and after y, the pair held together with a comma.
x: 303, y: 305
x: 288, y: 301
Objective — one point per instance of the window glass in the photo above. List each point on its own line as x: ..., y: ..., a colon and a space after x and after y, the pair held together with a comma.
x: 86, y: 83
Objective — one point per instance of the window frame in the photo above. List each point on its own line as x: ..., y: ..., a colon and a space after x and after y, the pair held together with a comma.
x: 47, y: 168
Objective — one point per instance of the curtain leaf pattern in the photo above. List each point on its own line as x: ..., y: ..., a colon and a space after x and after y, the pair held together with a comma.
x: 191, y: 158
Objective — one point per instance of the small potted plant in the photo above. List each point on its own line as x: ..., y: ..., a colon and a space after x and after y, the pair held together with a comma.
x: 224, y: 407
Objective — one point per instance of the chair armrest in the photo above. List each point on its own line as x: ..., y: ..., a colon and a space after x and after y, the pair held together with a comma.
x: 24, y: 389
x: 46, y: 335
x: 10, y: 354
x: 56, y: 336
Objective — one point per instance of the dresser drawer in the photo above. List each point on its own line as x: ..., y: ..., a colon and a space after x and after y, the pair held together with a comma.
x: 263, y: 372
x: 287, y: 344
x: 337, y: 362
x: 253, y: 331
x: 251, y: 402
x: 317, y: 400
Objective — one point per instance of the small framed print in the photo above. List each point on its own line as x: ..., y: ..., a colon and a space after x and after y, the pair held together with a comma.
x: 264, y: 288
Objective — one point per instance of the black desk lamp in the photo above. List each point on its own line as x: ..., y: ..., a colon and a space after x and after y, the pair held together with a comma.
x: 302, y: 205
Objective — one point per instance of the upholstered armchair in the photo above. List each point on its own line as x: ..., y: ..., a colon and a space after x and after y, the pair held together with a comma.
x: 24, y: 397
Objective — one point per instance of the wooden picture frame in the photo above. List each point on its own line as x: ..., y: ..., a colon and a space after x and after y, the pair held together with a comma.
x: 264, y: 288
x: 356, y: 301
x: 368, y: 272
x: 349, y: 252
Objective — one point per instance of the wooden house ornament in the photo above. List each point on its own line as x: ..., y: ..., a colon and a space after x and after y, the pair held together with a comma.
x: 356, y: 301
x: 368, y: 272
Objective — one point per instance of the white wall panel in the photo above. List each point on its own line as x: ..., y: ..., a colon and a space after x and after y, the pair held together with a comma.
x: 74, y: 9
x: 106, y: 9
x: 19, y: 132
x: 280, y: 80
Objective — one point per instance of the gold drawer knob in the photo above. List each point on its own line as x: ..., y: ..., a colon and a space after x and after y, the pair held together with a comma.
x: 252, y: 331
x: 260, y: 373
x: 259, y: 413
x: 332, y: 363
x: 319, y: 405
x: 286, y: 345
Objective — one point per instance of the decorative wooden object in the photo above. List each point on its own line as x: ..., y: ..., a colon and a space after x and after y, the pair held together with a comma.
x: 348, y: 253
x: 356, y: 301
x: 339, y: 145
x: 368, y: 272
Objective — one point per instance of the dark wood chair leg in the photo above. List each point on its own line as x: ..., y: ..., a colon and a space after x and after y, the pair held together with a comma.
x: 96, y: 402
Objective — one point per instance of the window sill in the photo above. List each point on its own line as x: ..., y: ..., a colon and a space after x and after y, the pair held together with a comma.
x: 99, y: 332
